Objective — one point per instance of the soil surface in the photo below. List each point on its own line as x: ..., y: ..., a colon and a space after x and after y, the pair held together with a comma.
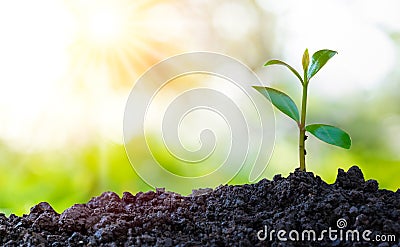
x: 226, y: 216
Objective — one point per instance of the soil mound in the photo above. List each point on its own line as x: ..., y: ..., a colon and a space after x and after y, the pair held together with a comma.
x: 245, y: 215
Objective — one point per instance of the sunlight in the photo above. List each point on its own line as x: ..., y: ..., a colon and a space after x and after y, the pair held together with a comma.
x: 105, y: 25
x: 116, y: 36
x: 67, y: 66
x: 33, y: 60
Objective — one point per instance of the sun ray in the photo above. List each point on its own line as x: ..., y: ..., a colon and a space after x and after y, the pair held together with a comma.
x: 117, y: 36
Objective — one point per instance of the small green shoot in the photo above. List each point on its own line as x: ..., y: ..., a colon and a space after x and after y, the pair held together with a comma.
x: 286, y: 105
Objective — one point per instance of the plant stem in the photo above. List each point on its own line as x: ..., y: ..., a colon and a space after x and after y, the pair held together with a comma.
x: 302, y: 127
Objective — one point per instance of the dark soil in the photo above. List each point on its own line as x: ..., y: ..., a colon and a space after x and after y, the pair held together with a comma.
x: 226, y: 216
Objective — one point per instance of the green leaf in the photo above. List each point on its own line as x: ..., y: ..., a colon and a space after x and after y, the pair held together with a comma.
x: 279, y: 62
x: 318, y: 60
x: 306, y: 61
x: 330, y: 134
x: 281, y: 101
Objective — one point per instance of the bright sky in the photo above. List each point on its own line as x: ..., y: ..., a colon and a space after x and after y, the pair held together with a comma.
x: 358, y: 30
x: 66, y: 67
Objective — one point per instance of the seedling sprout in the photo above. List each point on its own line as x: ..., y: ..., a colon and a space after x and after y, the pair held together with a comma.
x: 286, y: 105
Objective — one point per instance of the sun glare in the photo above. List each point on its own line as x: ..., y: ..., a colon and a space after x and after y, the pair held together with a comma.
x: 115, y: 36
x: 67, y: 67
x: 105, y: 25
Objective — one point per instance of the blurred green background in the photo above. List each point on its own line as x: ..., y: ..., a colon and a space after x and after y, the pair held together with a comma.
x: 67, y: 67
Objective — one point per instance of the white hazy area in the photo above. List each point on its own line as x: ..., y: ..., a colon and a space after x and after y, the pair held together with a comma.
x: 43, y: 107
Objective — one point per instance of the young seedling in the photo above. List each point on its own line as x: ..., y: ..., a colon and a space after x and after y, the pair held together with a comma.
x: 286, y: 105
